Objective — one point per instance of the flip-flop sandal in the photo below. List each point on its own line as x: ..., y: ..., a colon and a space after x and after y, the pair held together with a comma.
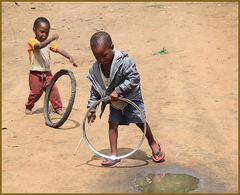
x: 109, y: 162
x: 159, y: 155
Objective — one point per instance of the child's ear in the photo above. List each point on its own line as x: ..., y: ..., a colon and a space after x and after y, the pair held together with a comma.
x: 34, y: 30
x: 112, y: 46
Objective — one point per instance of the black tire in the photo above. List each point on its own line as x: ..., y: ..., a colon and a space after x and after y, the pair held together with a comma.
x: 70, y: 102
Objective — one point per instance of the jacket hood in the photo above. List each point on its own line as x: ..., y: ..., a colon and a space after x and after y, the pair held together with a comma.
x: 118, y: 55
x: 95, y: 76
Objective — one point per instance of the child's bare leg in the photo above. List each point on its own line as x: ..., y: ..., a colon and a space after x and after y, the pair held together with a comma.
x: 151, y: 141
x: 113, y: 135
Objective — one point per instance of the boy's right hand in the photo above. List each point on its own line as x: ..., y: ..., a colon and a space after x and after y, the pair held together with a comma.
x: 55, y: 36
x: 91, y: 117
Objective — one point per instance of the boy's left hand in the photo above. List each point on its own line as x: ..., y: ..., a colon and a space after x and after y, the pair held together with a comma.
x: 72, y: 62
x: 114, y: 96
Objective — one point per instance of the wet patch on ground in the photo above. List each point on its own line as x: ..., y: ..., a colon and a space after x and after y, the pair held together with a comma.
x: 175, y: 178
x: 166, y: 182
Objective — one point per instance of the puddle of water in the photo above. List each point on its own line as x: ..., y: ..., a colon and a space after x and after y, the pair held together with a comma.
x: 166, y: 182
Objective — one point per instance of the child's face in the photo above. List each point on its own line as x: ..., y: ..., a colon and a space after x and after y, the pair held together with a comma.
x: 103, y: 54
x: 42, y: 31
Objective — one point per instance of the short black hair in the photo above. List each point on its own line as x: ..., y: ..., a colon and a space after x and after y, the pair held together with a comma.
x: 40, y: 20
x: 99, y: 38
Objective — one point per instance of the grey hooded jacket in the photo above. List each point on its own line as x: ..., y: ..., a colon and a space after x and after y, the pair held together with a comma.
x: 124, y: 78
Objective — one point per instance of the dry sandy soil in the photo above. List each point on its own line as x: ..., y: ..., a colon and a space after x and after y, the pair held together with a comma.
x: 190, y: 94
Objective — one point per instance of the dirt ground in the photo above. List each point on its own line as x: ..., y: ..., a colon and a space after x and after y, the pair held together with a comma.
x: 190, y: 94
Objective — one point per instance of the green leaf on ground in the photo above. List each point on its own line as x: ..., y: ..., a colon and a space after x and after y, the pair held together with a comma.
x: 161, y: 52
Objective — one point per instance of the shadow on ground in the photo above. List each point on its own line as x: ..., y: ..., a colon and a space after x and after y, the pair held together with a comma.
x: 140, y: 157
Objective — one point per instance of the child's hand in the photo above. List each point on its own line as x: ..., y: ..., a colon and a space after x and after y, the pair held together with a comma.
x: 114, y: 96
x: 55, y: 36
x: 66, y: 55
x: 91, y: 117
x: 72, y: 61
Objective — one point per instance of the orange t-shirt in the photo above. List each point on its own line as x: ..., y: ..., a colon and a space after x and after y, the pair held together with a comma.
x: 40, y: 58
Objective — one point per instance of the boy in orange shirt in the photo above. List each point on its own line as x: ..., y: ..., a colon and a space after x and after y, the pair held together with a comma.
x: 40, y: 74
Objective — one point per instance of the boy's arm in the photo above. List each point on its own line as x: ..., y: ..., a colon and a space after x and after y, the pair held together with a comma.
x: 131, y: 79
x: 46, y: 42
x: 94, y: 97
x: 66, y: 55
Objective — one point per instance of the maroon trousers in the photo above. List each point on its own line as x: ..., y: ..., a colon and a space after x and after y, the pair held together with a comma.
x: 38, y: 82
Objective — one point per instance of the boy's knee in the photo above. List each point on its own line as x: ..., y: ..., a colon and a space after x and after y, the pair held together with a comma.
x: 36, y: 93
x: 113, y: 124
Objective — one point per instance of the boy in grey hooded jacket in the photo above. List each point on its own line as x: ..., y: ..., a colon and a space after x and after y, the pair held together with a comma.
x: 114, y: 74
